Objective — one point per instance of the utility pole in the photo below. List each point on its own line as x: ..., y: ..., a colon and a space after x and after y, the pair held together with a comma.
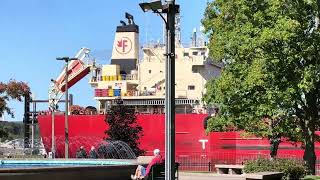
x: 67, y: 113
x: 170, y: 9
x: 34, y: 116
x: 53, y: 148
x: 66, y: 130
x: 170, y: 92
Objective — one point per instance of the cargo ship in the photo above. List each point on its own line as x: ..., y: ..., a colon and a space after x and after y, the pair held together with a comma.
x: 140, y: 83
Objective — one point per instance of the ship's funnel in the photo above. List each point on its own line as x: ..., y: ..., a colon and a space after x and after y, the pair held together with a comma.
x: 125, y: 50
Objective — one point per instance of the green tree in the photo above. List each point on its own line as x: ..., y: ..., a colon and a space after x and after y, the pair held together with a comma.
x: 11, y: 130
x: 13, y: 90
x: 272, y: 67
x: 3, y: 133
x: 123, y: 126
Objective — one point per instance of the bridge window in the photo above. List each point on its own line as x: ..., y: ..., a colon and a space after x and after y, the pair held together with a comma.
x: 191, y: 87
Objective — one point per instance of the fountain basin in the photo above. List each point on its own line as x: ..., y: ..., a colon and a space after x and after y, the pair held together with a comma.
x: 66, y: 169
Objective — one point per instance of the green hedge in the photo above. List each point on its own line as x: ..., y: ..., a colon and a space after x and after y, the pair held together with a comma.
x: 311, y: 178
x: 292, y: 169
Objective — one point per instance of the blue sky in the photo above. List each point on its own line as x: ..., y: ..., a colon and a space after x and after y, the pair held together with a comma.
x: 34, y: 32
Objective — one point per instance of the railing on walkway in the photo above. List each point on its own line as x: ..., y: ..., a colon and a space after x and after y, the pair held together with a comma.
x: 206, y: 162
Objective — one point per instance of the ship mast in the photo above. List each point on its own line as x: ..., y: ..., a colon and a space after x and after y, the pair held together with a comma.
x: 177, y: 30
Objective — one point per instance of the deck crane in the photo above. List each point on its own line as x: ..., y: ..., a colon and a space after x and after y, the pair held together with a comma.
x: 77, y: 69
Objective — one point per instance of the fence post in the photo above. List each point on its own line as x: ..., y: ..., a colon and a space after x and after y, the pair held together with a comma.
x: 209, y: 166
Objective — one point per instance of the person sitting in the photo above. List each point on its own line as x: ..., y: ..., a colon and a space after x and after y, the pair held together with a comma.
x: 81, y: 153
x: 93, y: 153
x: 142, y: 172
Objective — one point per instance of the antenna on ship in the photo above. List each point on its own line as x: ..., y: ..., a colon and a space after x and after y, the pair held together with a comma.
x: 130, y: 18
x: 202, y: 39
x: 178, y: 29
x: 147, y: 26
x: 194, y: 37
x: 123, y: 23
x: 164, y: 30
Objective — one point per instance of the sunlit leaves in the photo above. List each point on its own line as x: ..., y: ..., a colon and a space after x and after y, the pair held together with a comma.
x: 13, y: 90
x: 273, y: 54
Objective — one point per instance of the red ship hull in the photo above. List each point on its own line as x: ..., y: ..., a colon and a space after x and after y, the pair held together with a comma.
x: 191, y: 138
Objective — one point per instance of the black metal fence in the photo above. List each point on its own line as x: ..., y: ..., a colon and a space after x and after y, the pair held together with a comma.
x: 199, y: 162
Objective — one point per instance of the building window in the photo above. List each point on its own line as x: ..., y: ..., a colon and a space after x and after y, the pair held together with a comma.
x: 195, y: 53
x: 195, y: 69
x: 185, y: 54
x: 191, y: 87
x: 203, y: 53
x: 149, y: 71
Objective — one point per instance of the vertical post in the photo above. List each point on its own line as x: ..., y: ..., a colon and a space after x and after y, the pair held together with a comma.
x: 67, y: 111
x: 32, y: 127
x: 170, y: 93
x: 53, y: 148
x: 26, y: 120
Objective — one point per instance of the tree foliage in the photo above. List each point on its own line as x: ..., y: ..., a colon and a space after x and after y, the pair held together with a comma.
x: 123, y: 126
x: 10, y: 130
x: 271, y: 81
x: 13, y: 90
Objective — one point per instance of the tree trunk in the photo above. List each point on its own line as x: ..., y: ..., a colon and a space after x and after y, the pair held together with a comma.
x: 309, y: 132
x: 309, y: 153
x: 274, y: 146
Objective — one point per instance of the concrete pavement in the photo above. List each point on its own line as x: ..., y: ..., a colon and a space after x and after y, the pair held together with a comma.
x: 208, y: 176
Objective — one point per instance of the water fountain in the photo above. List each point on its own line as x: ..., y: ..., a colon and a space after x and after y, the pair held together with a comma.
x: 119, y: 165
x: 115, y: 150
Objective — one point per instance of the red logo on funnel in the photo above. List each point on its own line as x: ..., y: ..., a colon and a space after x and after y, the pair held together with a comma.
x: 124, y: 45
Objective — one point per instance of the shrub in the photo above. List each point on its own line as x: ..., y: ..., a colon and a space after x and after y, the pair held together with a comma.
x: 35, y: 151
x: 292, y: 169
x: 311, y: 178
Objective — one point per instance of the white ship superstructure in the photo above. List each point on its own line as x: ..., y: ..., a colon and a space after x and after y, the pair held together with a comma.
x: 141, y: 82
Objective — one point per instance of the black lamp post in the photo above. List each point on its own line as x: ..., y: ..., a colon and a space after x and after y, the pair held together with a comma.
x: 170, y: 9
x: 66, y: 130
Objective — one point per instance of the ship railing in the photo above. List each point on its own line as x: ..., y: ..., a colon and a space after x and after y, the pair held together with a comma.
x: 148, y: 93
x: 121, y: 77
x: 153, y: 44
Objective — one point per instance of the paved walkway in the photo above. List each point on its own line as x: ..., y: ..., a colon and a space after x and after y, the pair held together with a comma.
x: 208, y: 176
